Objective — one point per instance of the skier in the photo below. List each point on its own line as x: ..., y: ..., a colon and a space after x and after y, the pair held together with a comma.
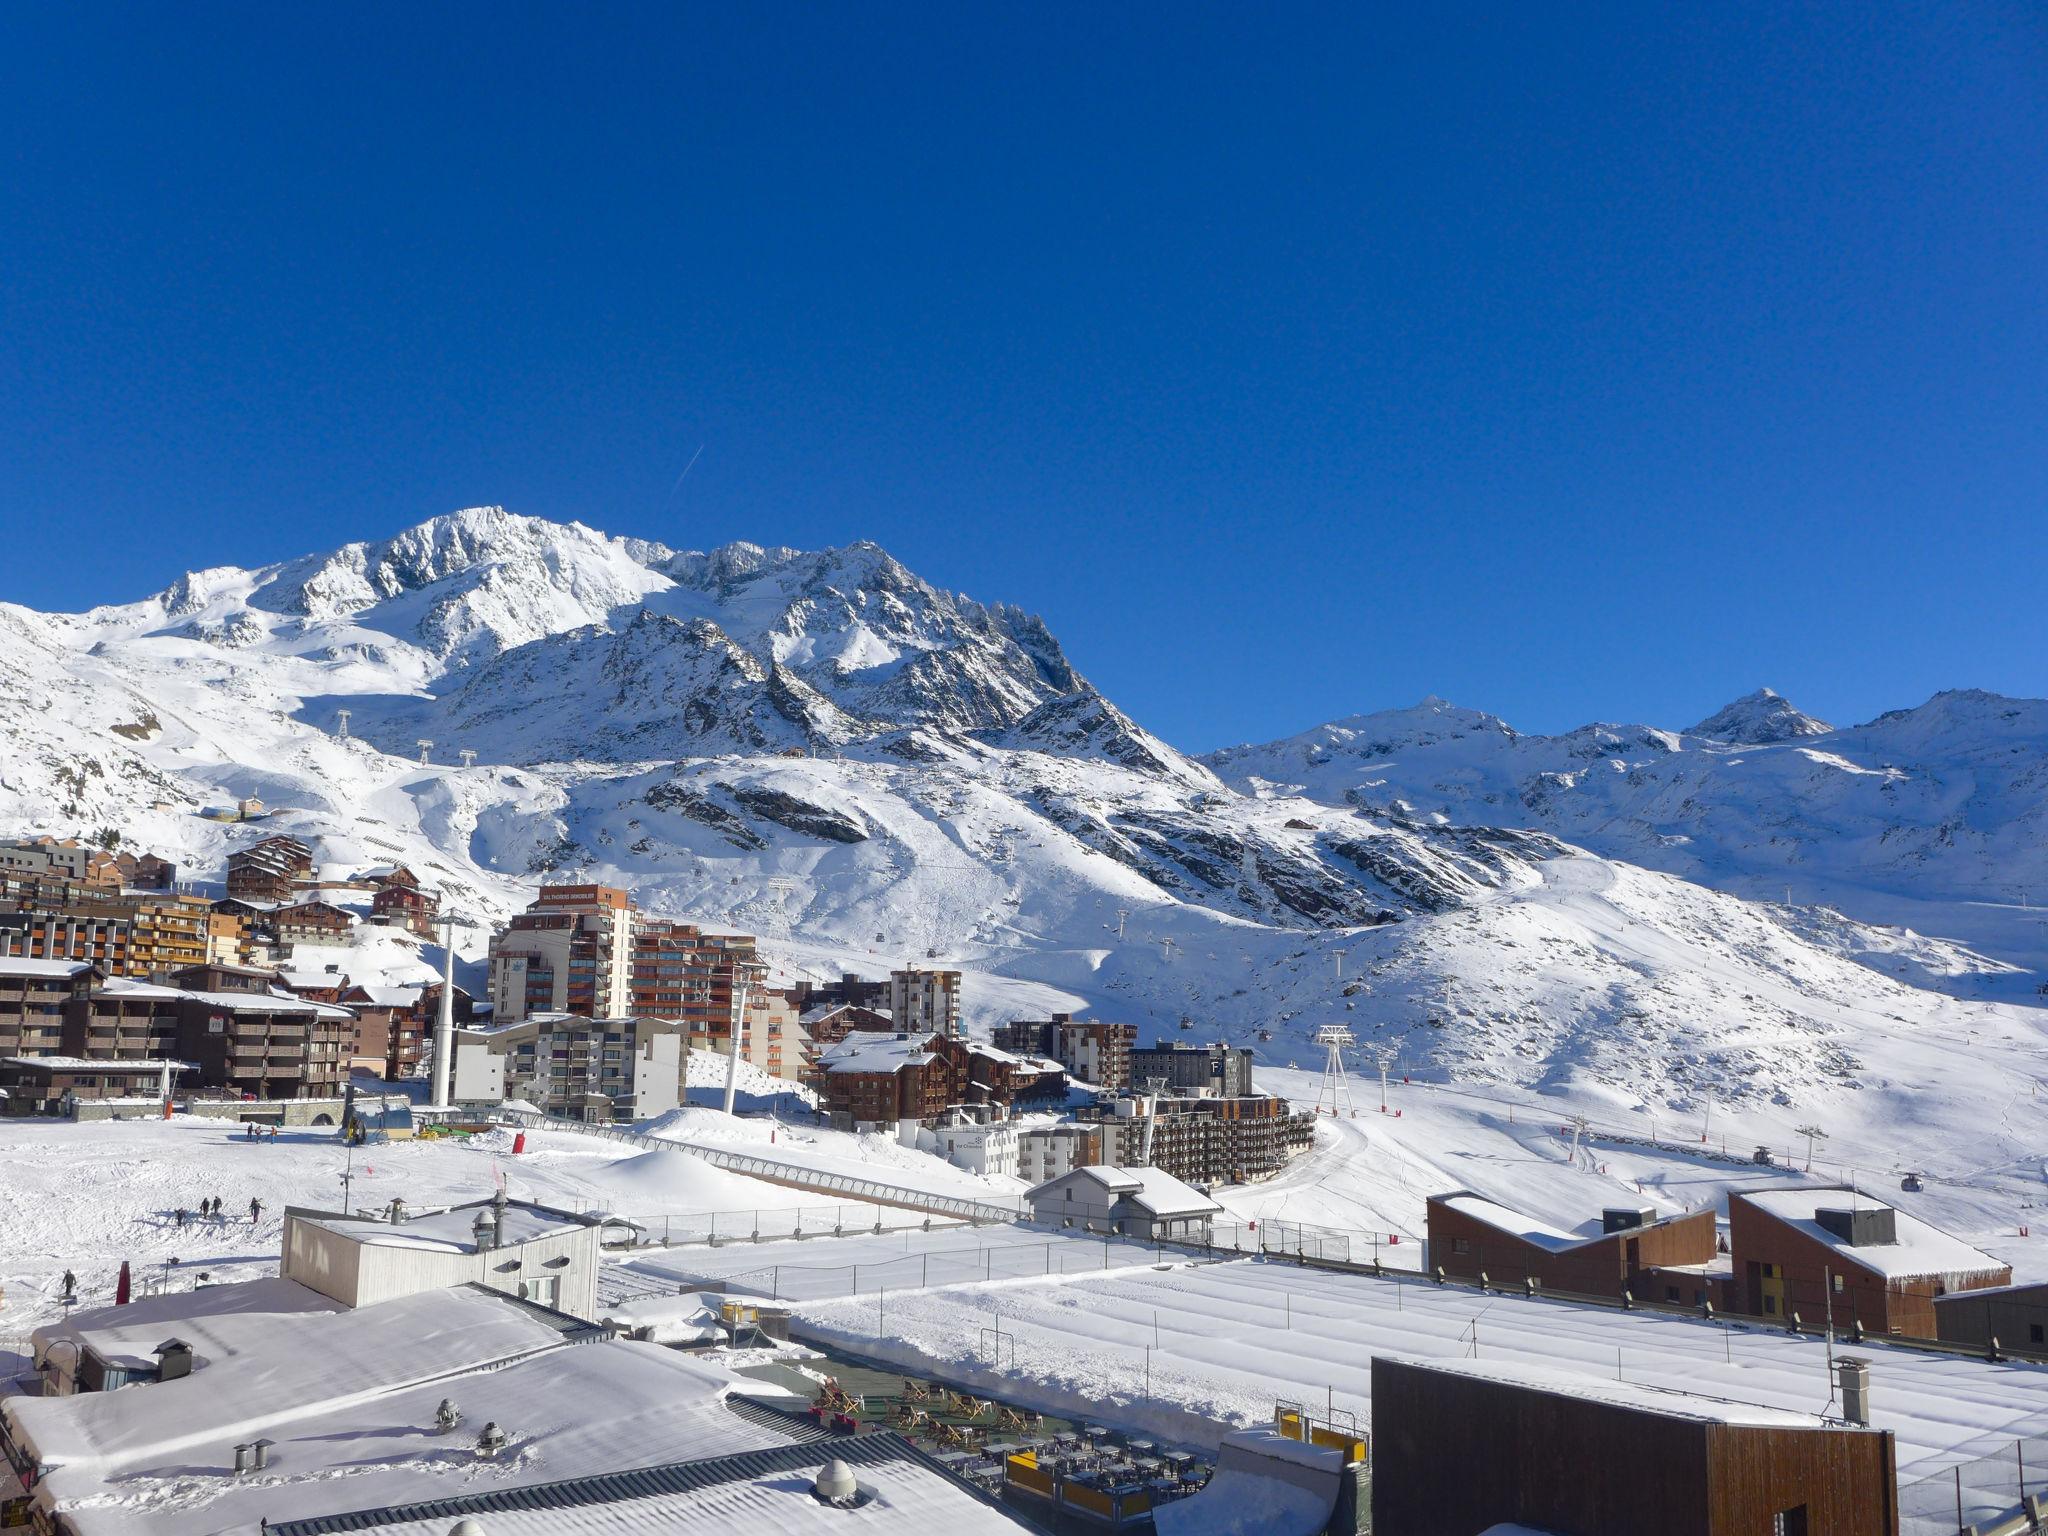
x: 255, y: 1211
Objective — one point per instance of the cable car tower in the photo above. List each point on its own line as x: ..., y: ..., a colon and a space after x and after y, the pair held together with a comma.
x: 1336, y: 1082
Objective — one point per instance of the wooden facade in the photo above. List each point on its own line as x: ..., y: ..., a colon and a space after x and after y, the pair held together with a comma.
x: 1456, y: 1453
x: 1781, y: 1270
x: 2015, y: 1316
x: 1644, y: 1261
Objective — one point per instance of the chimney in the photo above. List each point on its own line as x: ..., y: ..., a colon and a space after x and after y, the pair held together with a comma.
x: 242, y: 1454
x: 1852, y: 1374
x: 262, y: 1450
x: 1862, y: 1226
x: 498, y: 1219
x: 173, y: 1359
x: 482, y: 1228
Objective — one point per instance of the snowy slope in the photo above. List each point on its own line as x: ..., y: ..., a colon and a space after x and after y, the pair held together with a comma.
x: 1934, y: 817
x: 825, y: 750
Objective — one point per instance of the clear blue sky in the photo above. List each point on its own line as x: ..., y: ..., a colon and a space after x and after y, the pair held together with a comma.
x: 1568, y: 362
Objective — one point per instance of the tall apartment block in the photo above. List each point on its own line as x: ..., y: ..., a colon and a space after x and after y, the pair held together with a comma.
x: 925, y: 1002
x: 570, y: 952
x: 1089, y: 1049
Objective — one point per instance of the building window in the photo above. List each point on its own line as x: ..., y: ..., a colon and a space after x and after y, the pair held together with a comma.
x: 1461, y: 1245
x: 1789, y: 1522
x: 2034, y: 1335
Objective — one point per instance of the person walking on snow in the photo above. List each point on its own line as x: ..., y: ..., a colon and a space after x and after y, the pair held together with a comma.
x: 70, y: 1285
x: 255, y: 1211
x: 181, y: 1213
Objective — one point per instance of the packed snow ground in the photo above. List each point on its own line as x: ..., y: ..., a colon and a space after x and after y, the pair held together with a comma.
x: 1374, y: 1172
x: 1224, y: 1342
x: 85, y: 1197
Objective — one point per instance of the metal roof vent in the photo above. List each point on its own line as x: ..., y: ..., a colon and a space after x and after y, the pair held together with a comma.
x: 835, y: 1485
x: 465, y: 1527
x: 491, y: 1441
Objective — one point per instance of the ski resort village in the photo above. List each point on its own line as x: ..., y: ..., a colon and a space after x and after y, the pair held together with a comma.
x: 509, y: 1029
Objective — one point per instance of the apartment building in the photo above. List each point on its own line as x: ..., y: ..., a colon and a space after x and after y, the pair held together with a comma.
x: 64, y: 859
x: 393, y: 1024
x: 570, y: 952
x: 44, y: 1085
x: 873, y: 1078
x: 239, y: 1034
x: 125, y: 933
x: 1047, y: 1151
x: 33, y: 996
x: 1180, y: 1068
x: 1205, y: 1139
x: 681, y: 972
x: 34, y: 933
x: 399, y: 901
x: 597, y: 1070
x: 925, y: 1001
x: 270, y: 870
x: 850, y: 989
x: 830, y: 1023
x: 312, y: 923
x: 1089, y: 1049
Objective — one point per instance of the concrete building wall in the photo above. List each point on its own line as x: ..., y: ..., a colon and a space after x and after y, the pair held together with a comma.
x: 559, y: 1269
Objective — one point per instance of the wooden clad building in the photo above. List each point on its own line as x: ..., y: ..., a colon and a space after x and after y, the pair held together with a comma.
x: 1836, y: 1254
x: 1652, y: 1258
x: 1462, y: 1446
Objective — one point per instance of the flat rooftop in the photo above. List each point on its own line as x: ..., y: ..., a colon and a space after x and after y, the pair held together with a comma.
x: 449, y: 1231
x: 572, y: 1411
x: 759, y: 1493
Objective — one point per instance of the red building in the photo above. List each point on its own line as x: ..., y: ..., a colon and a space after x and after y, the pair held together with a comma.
x: 1839, y: 1255
x: 399, y: 901
x: 1651, y: 1258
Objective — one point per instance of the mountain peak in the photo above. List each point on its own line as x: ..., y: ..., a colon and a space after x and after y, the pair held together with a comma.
x: 1758, y: 719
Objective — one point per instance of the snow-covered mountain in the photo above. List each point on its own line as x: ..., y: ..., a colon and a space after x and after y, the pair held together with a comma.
x: 824, y: 749
x: 1934, y: 817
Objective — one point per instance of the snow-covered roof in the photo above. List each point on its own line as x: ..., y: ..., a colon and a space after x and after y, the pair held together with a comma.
x: 218, y: 1321
x: 267, y: 1002
x: 819, y: 1011
x: 380, y: 995
x: 759, y: 1494
x: 95, y: 1064
x: 571, y: 1411
x: 286, y: 1366
x: 1150, y: 1189
x: 1165, y: 1196
x: 44, y: 970
x: 1920, y: 1251
x: 271, y: 1001
x: 691, y: 1318
x: 875, y: 1052
x: 449, y: 1231
x: 1621, y: 1394
x: 1538, y: 1234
